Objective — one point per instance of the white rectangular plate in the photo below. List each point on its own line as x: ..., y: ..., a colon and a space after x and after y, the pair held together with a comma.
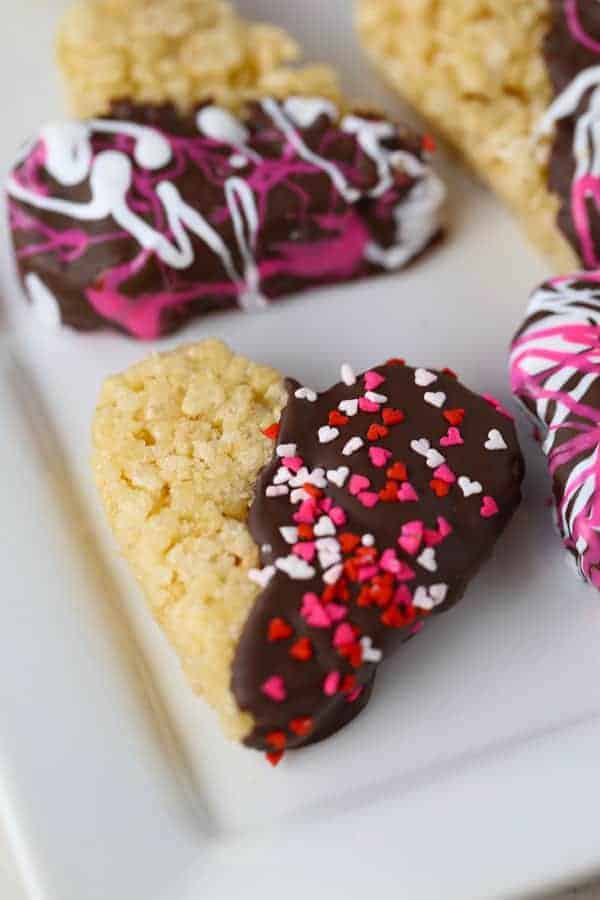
x: 472, y: 773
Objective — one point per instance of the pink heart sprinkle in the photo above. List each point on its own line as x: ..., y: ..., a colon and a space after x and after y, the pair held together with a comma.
x: 274, y: 688
x: 368, y: 499
x: 331, y: 684
x: 337, y: 515
x: 405, y: 573
x: 493, y: 401
x: 432, y: 538
x: 326, y: 504
x: 403, y: 596
x: 409, y: 543
x: 313, y: 612
x: 389, y: 562
x: 368, y: 405
x: 489, y: 508
x: 354, y: 695
x: 306, y: 513
x: 343, y: 635
x: 373, y: 380
x: 379, y: 456
x: 417, y: 627
x: 407, y: 493
x: 445, y: 473
x: 294, y: 463
x: 336, y: 612
x: 444, y: 527
x: 305, y: 550
x: 415, y: 527
x: 452, y: 439
x: 367, y: 572
x: 357, y: 484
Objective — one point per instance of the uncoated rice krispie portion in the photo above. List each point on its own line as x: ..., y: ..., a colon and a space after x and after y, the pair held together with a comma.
x: 475, y: 69
x: 183, y: 51
x: 177, y: 450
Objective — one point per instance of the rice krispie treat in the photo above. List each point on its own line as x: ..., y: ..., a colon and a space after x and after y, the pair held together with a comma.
x: 150, y: 217
x: 288, y: 540
x: 554, y: 369
x: 178, y: 51
x: 515, y: 85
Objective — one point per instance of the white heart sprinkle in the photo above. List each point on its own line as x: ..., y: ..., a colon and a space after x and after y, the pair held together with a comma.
x: 282, y: 475
x: 348, y: 376
x: 422, y: 446
x: 423, y: 378
x: 352, y: 446
x: 367, y: 540
x: 435, y: 399
x: 328, y: 550
x: 305, y: 393
x: 298, y: 495
x: 338, y: 476
x: 299, y: 478
x: 331, y: 576
x: 277, y: 490
x: 261, y: 577
x: 289, y: 533
x: 495, y: 441
x: 286, y: 450
x: 266, y: 548
x: 376, y: 398
x: 427, y: 559
x: 349, y: 407
x: 429, y: 598
x: 469, y: 487
x: 369, y: 652
x: 327, y: 434
x: 317, y: 477
x: 295, y: 568
x: 435, y: 458
x: 324, y: 527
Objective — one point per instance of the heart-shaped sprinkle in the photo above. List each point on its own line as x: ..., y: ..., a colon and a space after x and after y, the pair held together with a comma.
x: 289, y: 533
x: 376, y: 398
x: 261, y: 577
x: 279, y: 630
x: 357, y: 484
x: 327, y: 434
x: 423, y: 378
x: 304, y: 393
x: 420, y: 446
x: 305, y: 550
x: 428, y: 598
x: 286, y: 450
x: 407, y: 493
x: 397, y: 472
x: 435, y: 459
x: 337, y: 515
x: 469, y: 487
x: 437, y: 398
x: 389, y: 494
x: 368, y: 499
x: 331, y: 684
x: 343, y: 635
x: 377, y: 431
x: 445, y: 473
x: 295, y: 568
x: 452, y: 439
x: 489, y: 507
x: 373, y: 380
x: 347, y: 373
x: 275, y: 490
x: 454, y: 416
x: 367, y: 406
x: 495, y: 441
x: 274, y: 688
x: 427, y: 559
x: 370, y: 654
x: 337, y: 418
x: 324, y: 527
x: 338, y: 476
x: 349, y: 407
x: 354, y: 444
x: 392, y: 416
x: 379, y: 456
x: 301, y: 726
x: 302, y: 649
x: 411, y: 537
x: 440, y: 488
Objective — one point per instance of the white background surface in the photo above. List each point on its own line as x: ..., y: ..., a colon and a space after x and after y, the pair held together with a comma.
x: 475, y: 766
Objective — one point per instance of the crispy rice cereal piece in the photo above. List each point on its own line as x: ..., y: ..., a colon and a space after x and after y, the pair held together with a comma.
x: 475, y: 69
x: 177, y: 451
x: 181, y: 51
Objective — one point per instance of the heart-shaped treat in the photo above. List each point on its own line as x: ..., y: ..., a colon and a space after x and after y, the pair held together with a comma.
x: 282, y: 567
x: 555, y: 364
x: 408, y: 555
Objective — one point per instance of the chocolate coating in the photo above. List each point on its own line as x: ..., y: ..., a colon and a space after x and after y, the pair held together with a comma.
x: 381, y: 601
x: 147, y: 218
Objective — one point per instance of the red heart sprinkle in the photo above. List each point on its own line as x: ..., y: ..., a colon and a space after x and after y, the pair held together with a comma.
x: 337, y: 418
x: 428, y: 143
x: 397, y: 472
x: 454, y: 416
x: 302, y: 650
x: 305, y: 532
x: 348, y: 541
x: 301, y: 726
x: 439, y: 487
x: 389, y: 493
x: 279, y: 630
x: 395, y: 361
x: 276, y: 739
x: 275, y: 758
x: 450, y: 372
x: 272, y: 431
x: 392, y: 416
x: 377, y: 431
x: 315, y: 492
x: 348, y: 684
x: 394, y: 617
